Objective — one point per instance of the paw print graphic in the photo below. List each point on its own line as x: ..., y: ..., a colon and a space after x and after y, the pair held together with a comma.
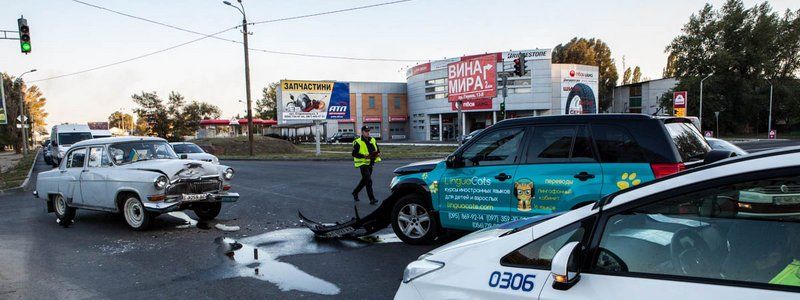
x: 628, y: 180
x: 434, y: 187
x: 424, y: 176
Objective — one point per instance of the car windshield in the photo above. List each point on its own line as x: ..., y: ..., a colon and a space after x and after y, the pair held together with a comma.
x: 69, y: 138
x: 129, y: 152
x: 187, y: 148
x: 724, y: 145
x: 690, y: 143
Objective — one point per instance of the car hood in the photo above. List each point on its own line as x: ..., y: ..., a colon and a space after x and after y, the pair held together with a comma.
x: 176, y: 168
x: 418, y: 167
x: 472, y: 239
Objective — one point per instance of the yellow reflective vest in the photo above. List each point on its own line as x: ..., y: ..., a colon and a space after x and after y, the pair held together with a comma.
x: 364, y: 151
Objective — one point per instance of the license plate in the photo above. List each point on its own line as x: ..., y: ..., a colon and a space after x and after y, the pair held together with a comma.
x: 194, y: 197
x: 783, y: 200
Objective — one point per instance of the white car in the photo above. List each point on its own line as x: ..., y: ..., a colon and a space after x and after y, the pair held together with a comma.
x: 680, y: 237
x: 192, y: 151
x: 719, y: 144
x: 139, y: 177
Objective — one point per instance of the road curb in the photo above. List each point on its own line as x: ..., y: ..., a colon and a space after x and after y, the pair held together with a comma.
x: 27, y: 179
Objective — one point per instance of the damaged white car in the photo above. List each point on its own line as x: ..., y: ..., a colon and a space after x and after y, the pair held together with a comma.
x: 140, y: 177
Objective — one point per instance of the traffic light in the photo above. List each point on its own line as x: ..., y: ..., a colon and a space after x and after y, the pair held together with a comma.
x: 503, y: 110
x: 24, y: 35
x: 519, y: 65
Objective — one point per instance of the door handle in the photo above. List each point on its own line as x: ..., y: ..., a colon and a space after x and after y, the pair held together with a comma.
x: 502, y: 177
x: 583, y: 176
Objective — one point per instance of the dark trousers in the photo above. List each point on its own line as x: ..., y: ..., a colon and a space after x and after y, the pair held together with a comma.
x: 366, y: 181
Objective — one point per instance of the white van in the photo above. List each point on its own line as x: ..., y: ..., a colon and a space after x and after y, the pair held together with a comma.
x: 64, y: 135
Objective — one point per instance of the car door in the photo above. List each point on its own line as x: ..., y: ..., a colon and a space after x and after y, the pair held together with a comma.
x: 95, y: 178
x: 71, y: 169
x: 696, y: 242
x: 559, y: 171
x: 623, y: 160
x: 477, y: 194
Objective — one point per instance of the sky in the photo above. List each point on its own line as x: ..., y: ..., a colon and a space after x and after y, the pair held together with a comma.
x: 67, y: 37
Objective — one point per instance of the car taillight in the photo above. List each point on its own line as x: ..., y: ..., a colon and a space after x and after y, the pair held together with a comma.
x: 226, y: 187
x: 661, y: 170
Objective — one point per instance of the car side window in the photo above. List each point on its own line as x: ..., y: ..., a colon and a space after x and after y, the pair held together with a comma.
x: 496, y: 148
x: 550, y: 144
x: 746, y: 232
x: 539, y: 253
x: 76, y: 158
x: 616, y: 145
x: 98, y: 158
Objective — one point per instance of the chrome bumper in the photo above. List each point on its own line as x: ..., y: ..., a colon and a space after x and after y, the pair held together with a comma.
x: 175, y: 202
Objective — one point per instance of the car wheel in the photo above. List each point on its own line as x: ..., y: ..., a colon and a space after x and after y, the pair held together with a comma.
x: 136, y: 216
x: 413, y: 222
x: 64, y: 213
x: 207, y: 211
x: 580, y: 100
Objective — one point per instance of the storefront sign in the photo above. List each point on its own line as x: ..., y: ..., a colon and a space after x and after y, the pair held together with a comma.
x: 475, y: 78
x: 579, y: 91
x: 535, y: 54
x: 679, y: 100
x: 398, y: 118
x: 372, y: 119
x: 476, y: 104
x: 773, y: 134
x: 315, y: 100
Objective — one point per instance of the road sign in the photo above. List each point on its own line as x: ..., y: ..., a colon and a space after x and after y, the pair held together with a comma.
x: 708, y: 133
x: 22, y: 119
x: 773, y: 134
x: 679, y: 100
x: 473, y: 78
x: 20, y: 126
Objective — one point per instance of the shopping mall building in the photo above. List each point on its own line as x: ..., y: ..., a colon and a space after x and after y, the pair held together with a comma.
x: 419, y: 110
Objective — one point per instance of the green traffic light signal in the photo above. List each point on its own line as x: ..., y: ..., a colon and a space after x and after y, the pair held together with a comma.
x: 26, y: 47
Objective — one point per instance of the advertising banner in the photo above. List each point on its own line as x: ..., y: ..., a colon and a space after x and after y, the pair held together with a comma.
x: 535, y: 54
x: 476, y: 104
x: 315, y: 100
x: 474, y: 78
x: 98, y: 125
x: 3, y: 114
x: 579, y: 91
x: 679, y: 100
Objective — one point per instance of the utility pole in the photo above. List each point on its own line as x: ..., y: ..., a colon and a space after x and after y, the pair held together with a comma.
x: 246, y: 73
x: 700, y: 116
x: 22, y: 113
x: 769, y: 120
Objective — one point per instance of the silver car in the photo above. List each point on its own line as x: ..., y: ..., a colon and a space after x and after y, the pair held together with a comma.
x: 193, y: 151
x: 140, y: 177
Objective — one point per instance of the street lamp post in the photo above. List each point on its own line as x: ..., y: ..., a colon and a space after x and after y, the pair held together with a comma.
x: 22, y: 113
x: 701, y: 100
x: 769, y: 119
x: 246, y: 72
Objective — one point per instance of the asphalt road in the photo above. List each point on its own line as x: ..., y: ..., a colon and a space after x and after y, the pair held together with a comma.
x: 99, y: 257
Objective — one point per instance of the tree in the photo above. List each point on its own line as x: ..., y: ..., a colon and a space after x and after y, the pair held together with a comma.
x: 121, y: 120
x: 34, y: 111
x: 637, y: 75
x: 593, y: 52
x: 626, y: 77
x: 669, y: 70
x: 151, y: 106
x: 266, y: 107
x: 743, y: 47
x: 173, y: 119
x: 196, y: 111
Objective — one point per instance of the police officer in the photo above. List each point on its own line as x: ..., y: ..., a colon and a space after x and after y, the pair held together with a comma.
x: 365, y: 154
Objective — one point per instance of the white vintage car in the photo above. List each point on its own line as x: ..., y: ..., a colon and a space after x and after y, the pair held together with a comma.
x: 139, y: 177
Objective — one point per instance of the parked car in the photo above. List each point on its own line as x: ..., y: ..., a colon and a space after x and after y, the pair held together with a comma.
x: 47, y: 152
x: 64, y: 135
x: 725, y: 145
x: 342, y: 137
x: 678, y: 237
x: 139, y: 177
x: 536, y: 166
x: 471, y: 135
x: 188, y: 150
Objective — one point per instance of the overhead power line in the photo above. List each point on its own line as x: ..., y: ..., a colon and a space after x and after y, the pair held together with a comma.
x: 271, y: 21
x: 135, y: 58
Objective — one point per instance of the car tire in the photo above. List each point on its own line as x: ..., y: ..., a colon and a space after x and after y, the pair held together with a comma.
x: 64, y: 213
x: 207, y: 211
x: 581, y: 96
x: 135, y: 214
x: 413, y: 222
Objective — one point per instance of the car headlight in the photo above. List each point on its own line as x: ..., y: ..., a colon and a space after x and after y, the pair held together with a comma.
x: 161, y: 182
x: 393, y: 182
x: 228, y: 174
x: 419, y: 268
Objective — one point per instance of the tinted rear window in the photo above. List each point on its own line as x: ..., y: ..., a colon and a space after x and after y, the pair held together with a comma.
x: 617, y: 145
x: 690, y: 143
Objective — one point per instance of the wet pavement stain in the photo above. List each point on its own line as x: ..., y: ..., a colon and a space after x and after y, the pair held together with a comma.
x: 206, y: 225
x: 258, y: 257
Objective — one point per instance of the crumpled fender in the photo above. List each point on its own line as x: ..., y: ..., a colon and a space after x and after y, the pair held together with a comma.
x: 355, y: 227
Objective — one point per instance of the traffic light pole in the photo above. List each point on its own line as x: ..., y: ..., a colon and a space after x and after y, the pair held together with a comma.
x: 22, y: 115
x: 247, y: 84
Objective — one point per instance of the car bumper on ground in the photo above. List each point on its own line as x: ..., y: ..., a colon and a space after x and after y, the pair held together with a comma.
x: 176, y: 202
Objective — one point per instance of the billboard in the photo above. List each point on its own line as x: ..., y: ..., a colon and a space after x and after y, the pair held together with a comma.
x: 476, y: 104
x: 579, y: 91
x: 315, y: 100
x: 98, y: 125
x: 679, y: 100
x: 474, y: 78
x: 3, y: 114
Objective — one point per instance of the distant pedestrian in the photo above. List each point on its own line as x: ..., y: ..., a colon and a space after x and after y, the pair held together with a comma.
x: 365, y: 154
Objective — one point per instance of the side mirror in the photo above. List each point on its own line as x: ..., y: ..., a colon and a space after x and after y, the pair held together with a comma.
x: 717, y: 155
x: 454, y: 161
x: 184, y: 156
x: 563, y: 279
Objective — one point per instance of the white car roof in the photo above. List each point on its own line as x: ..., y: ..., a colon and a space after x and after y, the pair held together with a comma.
x: 72, y: 127
x: 103, y: 141
x: 182, y: 143
x: 762, y: 161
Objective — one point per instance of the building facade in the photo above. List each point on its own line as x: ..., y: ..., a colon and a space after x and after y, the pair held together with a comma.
x: 641, y: 97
